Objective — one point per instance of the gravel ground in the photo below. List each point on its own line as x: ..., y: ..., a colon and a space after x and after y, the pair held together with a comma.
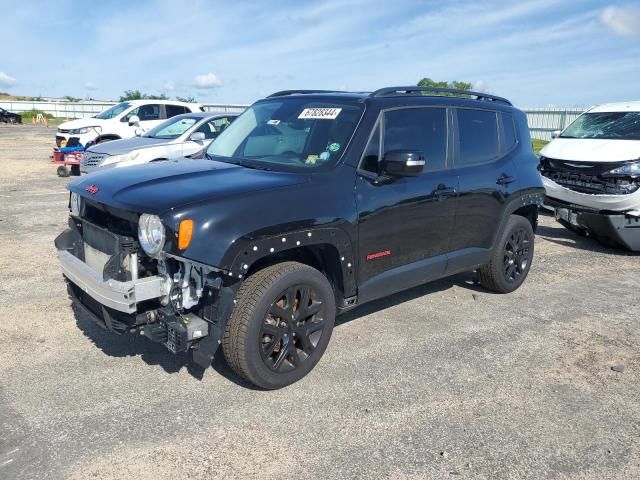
x: 441, y: 381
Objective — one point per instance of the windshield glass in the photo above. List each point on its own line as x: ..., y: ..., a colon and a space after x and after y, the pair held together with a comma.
x: 172, y: 128
x: 605, y: 125
x: 113, y: 111
x: 285, y: 133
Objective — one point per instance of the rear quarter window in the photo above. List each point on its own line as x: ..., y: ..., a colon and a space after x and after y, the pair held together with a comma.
x: 509, y: 132
x: 478, y: 137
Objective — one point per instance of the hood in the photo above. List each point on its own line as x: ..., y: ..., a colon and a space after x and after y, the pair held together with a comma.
x: 82, y: 122
x: 117, y: 147
x: 592, y: 150
x: 159, y: 187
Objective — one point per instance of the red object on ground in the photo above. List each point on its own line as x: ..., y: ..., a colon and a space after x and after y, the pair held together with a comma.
x: 71, y: 158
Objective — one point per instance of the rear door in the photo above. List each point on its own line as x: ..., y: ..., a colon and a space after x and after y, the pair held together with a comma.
x: 486, y: 172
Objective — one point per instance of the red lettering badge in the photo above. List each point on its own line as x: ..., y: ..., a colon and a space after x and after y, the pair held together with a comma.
x: 92, y: 189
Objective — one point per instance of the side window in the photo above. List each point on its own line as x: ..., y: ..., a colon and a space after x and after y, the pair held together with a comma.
x: 509, y: 132
x: 149, y: 112
x: 422, y: 129
x: 214, y: 128
x: 173, y: 110
x: 371, y: 156
x: 478, y: 133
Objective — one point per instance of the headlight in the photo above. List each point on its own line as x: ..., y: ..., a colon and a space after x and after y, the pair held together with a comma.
x: 75, y: 203
x: 81, y: 131
x: 151, y: 234
x: 631, y: 169
x: 112, y: 159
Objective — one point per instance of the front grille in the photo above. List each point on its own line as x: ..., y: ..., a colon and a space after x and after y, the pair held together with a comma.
x: 64, y: 130
x: 587, y: 177
x: 120, y: 222
x: 92, y: 160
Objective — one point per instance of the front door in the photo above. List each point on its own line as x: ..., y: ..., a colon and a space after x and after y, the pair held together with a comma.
x: 405, y: 225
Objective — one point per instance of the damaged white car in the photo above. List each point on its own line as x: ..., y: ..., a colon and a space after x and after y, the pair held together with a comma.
x: 591, y: 173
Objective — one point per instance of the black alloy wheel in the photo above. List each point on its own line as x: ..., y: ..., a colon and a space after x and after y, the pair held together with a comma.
x: 511, y: 258
x: 516, y: 255
x: 292, y: 328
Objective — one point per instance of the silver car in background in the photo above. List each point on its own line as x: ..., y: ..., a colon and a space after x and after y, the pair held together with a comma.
x: 180, y: 136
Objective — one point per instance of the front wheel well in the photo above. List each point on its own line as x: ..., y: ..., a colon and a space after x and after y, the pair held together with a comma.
x: 323, y: 257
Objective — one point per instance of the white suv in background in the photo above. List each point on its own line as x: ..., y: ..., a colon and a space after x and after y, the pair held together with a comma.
x: 591, y: 173
x: 123, y: 120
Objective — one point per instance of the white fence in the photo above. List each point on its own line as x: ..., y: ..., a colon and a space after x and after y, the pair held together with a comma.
x: 89, y: 108
x: 542, y: 121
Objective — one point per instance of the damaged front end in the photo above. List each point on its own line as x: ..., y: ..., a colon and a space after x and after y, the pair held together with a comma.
x: 601, y: 199
x: 111, y: 278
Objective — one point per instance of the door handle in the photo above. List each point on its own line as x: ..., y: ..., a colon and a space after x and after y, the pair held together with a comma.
x: 443, y: 191
x: 505, y: 179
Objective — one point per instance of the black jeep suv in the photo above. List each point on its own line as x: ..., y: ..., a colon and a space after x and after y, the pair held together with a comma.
x: 310, y: 203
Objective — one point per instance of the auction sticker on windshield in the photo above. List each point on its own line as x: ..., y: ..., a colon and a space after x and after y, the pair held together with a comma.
x: 320, y: 113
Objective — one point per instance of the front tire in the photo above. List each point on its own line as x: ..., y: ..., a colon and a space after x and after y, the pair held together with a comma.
x: 511, y: 261
x: 280, y: 326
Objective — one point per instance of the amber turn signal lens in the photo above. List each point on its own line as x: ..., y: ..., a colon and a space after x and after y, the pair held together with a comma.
x: 185, y: 232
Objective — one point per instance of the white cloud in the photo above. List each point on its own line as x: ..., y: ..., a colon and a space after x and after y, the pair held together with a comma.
x: 90, y: 86
x: 622, y: 20
x: 481, y: 86
x: 169, y: 85
x: 207, y: 81
x: 6, y: 80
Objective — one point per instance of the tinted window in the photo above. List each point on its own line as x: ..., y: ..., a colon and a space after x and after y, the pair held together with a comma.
x: 370, y: 159
x: 509, y: 129
x: 173, y: 110
x: 144, y: 112
x: 478, y: 131
x: 421, y: 129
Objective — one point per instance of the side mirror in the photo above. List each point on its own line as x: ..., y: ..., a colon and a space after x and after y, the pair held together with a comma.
x: 196, y: 137
x: 134, y: 120
x: 555, y: 134
x: 403, y: 163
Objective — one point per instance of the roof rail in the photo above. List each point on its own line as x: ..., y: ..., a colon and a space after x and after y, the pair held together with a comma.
x: 293, y: 92
x: 393, y: 91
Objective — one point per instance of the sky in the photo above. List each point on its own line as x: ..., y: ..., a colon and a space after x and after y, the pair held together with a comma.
x: 536, y: 53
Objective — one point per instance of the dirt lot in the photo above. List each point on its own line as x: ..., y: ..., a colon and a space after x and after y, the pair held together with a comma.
x: 442, y: 381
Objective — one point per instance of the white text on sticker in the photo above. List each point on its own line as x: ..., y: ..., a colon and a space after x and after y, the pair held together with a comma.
x: 320, y: 113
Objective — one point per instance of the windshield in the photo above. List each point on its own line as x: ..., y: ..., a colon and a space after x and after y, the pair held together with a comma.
x: 172, y: 128
x: 605, y: 125
x: 113, y: 111
x: 286, y: 133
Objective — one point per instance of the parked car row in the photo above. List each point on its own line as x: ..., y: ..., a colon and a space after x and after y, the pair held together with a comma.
x: 181, y: 136
x: 308, y: 204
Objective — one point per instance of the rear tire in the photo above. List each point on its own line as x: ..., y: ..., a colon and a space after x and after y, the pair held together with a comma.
x: 511, y: 260
x: 280, y: 326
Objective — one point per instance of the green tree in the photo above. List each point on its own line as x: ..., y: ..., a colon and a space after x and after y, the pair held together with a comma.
x: 187, y: 99
x: 427, y: 82
x: 138, y: 95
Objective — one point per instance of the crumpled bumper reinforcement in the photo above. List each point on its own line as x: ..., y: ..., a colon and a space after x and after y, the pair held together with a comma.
x: 121, y: 296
